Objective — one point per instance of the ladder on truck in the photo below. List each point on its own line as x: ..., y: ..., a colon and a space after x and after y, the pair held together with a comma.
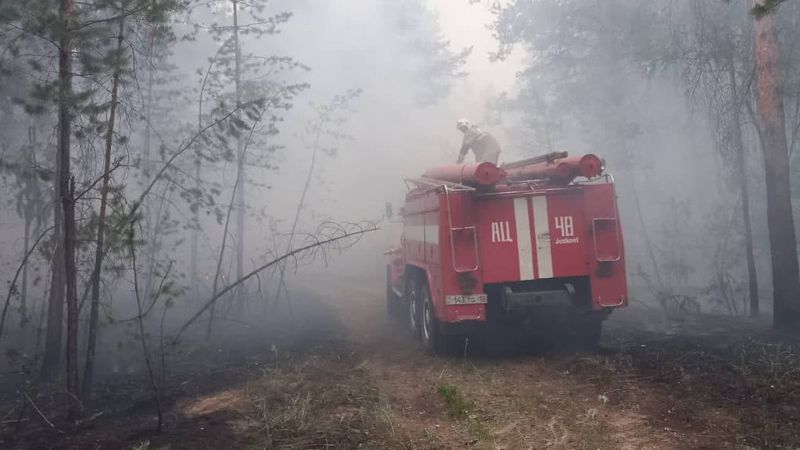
x: 462, y: 261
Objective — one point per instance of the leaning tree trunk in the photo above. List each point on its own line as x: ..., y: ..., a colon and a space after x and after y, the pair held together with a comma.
x: 741, y: 174
x: 782, y: 240
x: 99, y: 253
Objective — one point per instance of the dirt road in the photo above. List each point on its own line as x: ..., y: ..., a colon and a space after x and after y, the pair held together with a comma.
x: 337, y: 373
x: 705, y: 382
x: 502, y: 402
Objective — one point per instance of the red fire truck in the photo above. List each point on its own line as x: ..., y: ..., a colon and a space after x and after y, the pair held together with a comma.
x: 483, y: 245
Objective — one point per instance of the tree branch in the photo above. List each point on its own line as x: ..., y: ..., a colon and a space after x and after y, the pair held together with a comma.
x: 258, y: 270
x: 12, y: 286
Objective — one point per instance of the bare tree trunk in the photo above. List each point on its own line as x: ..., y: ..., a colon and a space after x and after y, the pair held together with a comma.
x: 240, y: 175
x: 220, y: 258
x: 741, y: 173
x: 99, y: 254
x: 197, y: 171
x: 649, y: 245
x: 149, y: 108
x: 194, y: 240
x: 67, y: 184
x: 70, y: 273
x: 32, y: 212
x: 142, y: 335
x: 309, y: 177
x: 51, y: 361
x: 52, y: 357
x: 26, y: 242
x: 782, y: 240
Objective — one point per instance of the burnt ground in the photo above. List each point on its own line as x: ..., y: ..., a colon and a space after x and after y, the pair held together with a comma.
x: 342, y: 375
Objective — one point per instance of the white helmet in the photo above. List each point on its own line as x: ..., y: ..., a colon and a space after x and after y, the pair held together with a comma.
x: 463, y: 124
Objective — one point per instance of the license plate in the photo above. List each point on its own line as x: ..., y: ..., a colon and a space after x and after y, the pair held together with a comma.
x: 465, y: 299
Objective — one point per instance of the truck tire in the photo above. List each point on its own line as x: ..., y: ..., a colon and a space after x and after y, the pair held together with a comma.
x: 414, y: 305
x: 430, y: 335
x: 394, y: 303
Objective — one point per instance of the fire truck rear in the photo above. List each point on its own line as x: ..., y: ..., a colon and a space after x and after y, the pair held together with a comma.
x: 537, y: 241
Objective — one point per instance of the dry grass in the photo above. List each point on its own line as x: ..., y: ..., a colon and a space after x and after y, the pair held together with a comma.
x: 326, y: 401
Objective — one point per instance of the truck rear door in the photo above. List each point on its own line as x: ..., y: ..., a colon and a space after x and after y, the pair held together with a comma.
x: 532, y: 236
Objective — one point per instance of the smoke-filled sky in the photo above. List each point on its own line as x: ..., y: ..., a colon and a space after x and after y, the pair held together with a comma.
x: 465, y: 25
x: 404, y: 121
x: 357, y: 44
x: 401, y: 124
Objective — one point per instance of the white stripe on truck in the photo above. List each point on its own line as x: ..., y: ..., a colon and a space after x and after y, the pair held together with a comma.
x: 541, y: 224
x: 524, y: 249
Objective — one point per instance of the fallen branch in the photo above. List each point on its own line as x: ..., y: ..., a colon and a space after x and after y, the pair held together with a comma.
x: 38, y: 411
x: 283, y: 257
x: 9, y: 422
x: 9, y: 415
x: 89, y: 419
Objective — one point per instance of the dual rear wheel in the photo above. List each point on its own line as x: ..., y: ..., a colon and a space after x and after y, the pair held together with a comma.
x: 422, y: 315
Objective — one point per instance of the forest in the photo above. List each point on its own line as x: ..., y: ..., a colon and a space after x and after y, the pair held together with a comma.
x: 198, y: 196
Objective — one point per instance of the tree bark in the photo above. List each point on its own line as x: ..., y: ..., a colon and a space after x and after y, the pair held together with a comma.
x: 26, y: 242
x: 782, y: 240
x: 149, y: 107
x: 142, y: 336
x: 741, y: 174
x: 51, y: 362
x: 240, y: 203
x: 99, y: 253
x: 195, y: 236
x: 67, y: 187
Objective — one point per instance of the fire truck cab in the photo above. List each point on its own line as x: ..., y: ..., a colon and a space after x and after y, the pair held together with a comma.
x: 483, y: 245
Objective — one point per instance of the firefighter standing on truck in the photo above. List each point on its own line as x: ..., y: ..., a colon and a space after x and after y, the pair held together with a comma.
x: 483, y: 145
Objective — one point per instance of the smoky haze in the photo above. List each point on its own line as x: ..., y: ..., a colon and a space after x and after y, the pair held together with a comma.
x: 213, y: 141
x: 410, y: 69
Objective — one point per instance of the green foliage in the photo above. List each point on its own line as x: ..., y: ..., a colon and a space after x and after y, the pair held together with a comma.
x: 456, y: 405
x: 765, y: 8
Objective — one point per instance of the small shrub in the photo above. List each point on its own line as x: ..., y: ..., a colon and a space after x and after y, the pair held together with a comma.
x: 456, y: 405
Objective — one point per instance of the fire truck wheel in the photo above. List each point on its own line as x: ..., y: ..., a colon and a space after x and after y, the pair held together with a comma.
x: 414, y: 306
x: 394, y: 305
x: 432, y: 339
